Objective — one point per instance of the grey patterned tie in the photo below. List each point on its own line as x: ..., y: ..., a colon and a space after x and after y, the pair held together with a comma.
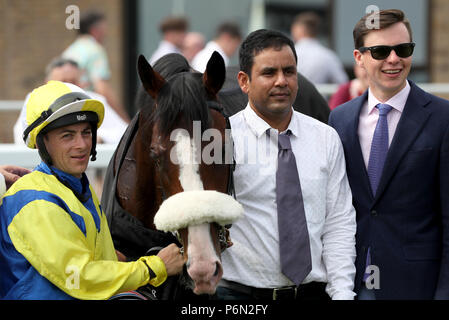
x: 294, y: 244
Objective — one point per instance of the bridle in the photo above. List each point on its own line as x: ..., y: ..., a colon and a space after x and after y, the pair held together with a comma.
x: 222, y: 231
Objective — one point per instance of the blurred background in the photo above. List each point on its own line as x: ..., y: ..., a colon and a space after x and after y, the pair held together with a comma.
x: 33, y: 32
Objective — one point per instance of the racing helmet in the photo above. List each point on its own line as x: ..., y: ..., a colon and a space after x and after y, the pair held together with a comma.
x: 58, y: 104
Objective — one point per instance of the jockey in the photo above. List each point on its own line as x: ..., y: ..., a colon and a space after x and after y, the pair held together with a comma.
x: 54, y: 238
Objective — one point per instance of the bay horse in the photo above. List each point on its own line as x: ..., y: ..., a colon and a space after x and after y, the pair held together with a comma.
x: 156, y: 180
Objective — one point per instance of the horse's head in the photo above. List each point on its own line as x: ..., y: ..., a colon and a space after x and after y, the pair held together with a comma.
x: 190, y: 148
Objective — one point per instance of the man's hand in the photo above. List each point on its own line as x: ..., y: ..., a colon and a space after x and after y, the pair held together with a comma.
x: 173, y: 259
x: 12, y: 174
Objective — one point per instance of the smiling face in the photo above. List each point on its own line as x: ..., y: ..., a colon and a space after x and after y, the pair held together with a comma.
x: 388, y: 76
x: 69, y: 147
x: 272, y: 85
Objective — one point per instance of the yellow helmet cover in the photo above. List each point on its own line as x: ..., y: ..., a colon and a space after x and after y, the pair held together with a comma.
x: 52, y: 101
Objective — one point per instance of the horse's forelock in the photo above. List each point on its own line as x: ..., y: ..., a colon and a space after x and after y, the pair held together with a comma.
x: 183, y: 95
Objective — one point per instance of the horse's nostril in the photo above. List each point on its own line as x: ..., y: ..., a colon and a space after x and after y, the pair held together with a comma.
x: 217, y: 269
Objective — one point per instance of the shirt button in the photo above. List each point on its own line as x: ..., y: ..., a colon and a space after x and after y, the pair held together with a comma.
x: 374, y: 213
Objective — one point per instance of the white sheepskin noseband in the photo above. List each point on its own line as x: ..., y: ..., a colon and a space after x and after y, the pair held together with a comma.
x: 196, y: 207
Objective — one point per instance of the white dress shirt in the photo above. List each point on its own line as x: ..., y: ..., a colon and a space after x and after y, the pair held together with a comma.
x: 254, y: 260
x: 318, y: 63
x: 369, y: 115
x: 200, y: 60
x: 164, y: 48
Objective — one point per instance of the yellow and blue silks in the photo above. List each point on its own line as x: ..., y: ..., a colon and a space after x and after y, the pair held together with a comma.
x: 53, y: 246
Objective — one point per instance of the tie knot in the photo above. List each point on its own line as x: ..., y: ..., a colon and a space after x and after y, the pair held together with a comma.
x: 383, y: 109
x: 284, y: 141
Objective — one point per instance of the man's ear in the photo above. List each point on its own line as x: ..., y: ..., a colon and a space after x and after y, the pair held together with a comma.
x: 243, y: 80
x: 358, y: 58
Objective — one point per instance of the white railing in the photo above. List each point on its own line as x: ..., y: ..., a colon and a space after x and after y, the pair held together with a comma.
x: 23, y: 156
x: 11, y: 105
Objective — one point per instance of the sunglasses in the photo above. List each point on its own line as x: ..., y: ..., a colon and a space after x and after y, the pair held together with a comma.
x: 403, y: 50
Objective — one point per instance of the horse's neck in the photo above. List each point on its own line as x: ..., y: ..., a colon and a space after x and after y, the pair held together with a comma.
x: 135, y: 187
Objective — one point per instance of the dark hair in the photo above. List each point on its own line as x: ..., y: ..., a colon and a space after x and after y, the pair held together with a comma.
x: 386, y: 19
x: 171, y: 64
x: 88, y: 20
x: 231, y: 28
x: 260, y: 40
x: 173, y: 23
x: 310, y: 20
x: 59, y: 62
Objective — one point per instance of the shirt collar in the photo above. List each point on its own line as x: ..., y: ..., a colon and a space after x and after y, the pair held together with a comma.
x: 259, y: 126
x: 397, y: 101
x: 79, y: 185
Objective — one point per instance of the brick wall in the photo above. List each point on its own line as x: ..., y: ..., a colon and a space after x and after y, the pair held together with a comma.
x: 32, y: 32
x: 439, y: 44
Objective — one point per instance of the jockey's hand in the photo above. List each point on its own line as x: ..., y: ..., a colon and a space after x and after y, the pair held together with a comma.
x: 173, y: 259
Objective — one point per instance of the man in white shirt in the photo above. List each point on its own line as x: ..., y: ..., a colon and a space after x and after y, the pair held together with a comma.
x: 226, y: 42
x: 174, y: 30
x: 316, y: 62
x: 89, y: 52
x: 252, y: 267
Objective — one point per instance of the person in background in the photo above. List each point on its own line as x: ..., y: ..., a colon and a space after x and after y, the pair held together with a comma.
x: 10, y: 174
x: 88, y: 51
x: 173, y: 30
x: 351, y: 89
x: 55, y: 241
x: 67, y: 70
x: 226, y: 42
x: 396, y: 142
x: 316, y: 62
x: 194, y: 42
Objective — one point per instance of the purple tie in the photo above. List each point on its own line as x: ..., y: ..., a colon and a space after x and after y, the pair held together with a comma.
x: 379, y: 147
x: 294, y: 246
x: 377, y: 156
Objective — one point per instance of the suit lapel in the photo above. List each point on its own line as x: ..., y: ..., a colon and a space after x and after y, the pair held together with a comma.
x: 358, y: 163
x: 410, y: 125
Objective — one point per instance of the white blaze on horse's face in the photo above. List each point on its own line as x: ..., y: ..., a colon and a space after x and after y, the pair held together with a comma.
x: 203, y: 265
x: 185, y: 151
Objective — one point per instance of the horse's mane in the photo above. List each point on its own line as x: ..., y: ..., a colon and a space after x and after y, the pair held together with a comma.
x: 183, y: 94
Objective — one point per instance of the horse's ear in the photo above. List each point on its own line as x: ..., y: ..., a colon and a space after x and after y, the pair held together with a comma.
x: 215, y: 73
x: 151, y: 80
